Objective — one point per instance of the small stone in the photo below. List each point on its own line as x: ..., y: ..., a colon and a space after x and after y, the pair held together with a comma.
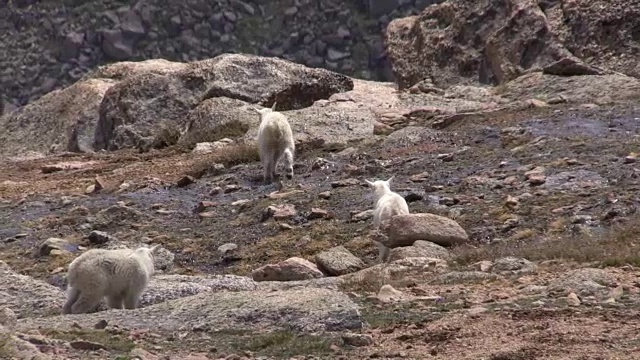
x: 203, y: 205
x: 572, y: 299
x: 476, y: 311
x: 362, y: 216
x: 631, y: 158
x: 185, y: 181
x: 101, y: 324
x: 357, y: 340
x: 292, y: 269
x: 325, y: 195
x: 381, y: 129
x: 86, y: 345
x: 280, y: 212
x: 231, y: 188
x: 512, y: 201
x: 537, y: 179
x: 484, y: 266
x: 617, y: 292
x: 100, y: 237
x: 228, y: 247
x: 445, y: 157
x: 48, y: 246
x: 207, y: 214
x: 99, y: 183
x: 345, y: 183
x: 421, y: 177
x: 388, y: 293
x: 281, y: 195
x: 317, y: 213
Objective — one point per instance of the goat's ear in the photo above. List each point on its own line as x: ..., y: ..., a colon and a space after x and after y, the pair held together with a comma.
x: 368, y: 182
x: 273, y: 107
x: 391, y: 178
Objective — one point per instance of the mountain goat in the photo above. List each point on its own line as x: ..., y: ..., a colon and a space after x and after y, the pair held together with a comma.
x: 387, y: 204
x: 275, y: 140
x: 121, y: 275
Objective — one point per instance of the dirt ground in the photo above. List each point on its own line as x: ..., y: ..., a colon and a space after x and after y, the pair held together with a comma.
x: 577, y: 210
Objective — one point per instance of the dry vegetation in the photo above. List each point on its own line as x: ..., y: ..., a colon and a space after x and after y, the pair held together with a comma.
x: 615, y: 246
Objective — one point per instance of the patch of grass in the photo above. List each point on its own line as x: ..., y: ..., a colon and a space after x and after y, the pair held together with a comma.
x: 616, y: 246
x: 228, y: 156
x: 524, y: 234
x: 283, y: 344
x: 372, y: 279
x: 424, y: 148
x: 285, y: 244
x: 379, y: 317
x: 6, y: 352
x: 111, y: 342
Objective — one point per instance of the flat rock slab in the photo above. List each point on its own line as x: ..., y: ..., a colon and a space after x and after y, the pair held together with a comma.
x: 301, y: 310
x: 26, y: 296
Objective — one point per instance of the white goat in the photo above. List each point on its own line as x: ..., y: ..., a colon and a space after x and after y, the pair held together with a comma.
x: 121, y: 275
x: 275, y: 139
x: 387, y: 204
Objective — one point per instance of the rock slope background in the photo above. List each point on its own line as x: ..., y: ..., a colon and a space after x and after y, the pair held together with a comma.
x: 52, y: 44
x: 519, y: 154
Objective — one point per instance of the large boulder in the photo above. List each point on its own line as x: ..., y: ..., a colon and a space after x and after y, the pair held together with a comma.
x: 492, y: 42
x: 405, y: 230
x: 62, y: 120
x: 305, y: 310
x: 292, y: 269
x: 142, y: 101
x: 338, y: 261
x: 26, y: 296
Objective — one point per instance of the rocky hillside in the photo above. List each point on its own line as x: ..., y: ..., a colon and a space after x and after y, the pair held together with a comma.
x: 51, y: 44
x: 515, y: 147
x: 493, y: 42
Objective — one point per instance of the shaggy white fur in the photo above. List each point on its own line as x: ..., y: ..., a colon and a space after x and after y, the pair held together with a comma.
x: 387, y: 204
x: 275, y: 141
x: 121, y: 275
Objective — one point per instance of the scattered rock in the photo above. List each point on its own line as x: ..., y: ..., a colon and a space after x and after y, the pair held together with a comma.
x: 357, y: 340
x: 572, y: 299
x: 404, y: 230
x: 513, y: 265
x: 66, y: 165
x: 584, y: 282
x: 338, y: 261
x: 362, y: 216
x: 280, y: 212
x: 419, y: 249
x: 185, y: 181
x: 388, y: 294
x: 461, y: 277
x: 317, y: 213
x: 228, y: 247
x: 345, y: 183
x: 289, y: 270
x: 86, y: 345
x: 51, y: 244
x: 100, y: 237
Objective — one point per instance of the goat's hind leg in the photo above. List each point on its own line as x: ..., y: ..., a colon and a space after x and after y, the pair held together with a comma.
x: 288, y: 163
x: 72, y: 296
x: 87, y: 302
